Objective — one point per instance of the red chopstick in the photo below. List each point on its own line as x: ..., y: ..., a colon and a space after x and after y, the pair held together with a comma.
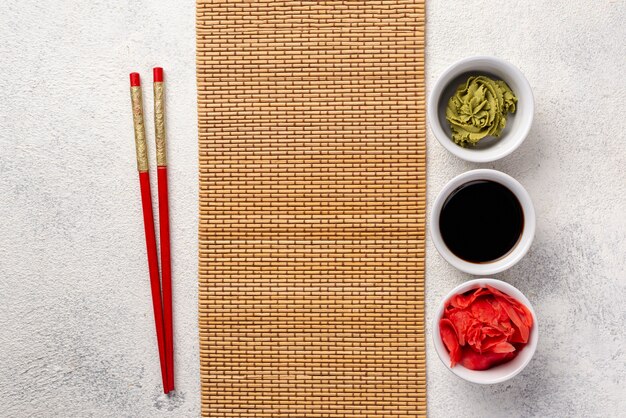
x: 164, y: 222
x: 148, y: 218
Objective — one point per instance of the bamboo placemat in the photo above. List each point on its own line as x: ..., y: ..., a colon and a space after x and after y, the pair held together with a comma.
x: 312, y: 203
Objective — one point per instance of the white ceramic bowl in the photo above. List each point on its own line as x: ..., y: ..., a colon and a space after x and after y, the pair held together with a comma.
x: 499, y: 373
x: 517, y: 124
x: 517, y: 252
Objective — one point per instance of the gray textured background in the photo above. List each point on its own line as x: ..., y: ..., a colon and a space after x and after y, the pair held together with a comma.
x: 76, y: 327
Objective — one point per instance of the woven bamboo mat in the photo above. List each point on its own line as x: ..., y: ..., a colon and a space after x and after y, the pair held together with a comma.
x: 312, y: 203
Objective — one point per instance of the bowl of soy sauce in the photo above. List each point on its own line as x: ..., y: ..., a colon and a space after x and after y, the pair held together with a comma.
x: 483, y: 222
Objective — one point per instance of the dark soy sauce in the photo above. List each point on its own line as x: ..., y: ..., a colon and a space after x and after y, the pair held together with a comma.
x: 481, y: 221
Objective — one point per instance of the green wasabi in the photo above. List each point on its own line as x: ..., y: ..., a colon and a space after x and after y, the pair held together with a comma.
x: 479, y: 109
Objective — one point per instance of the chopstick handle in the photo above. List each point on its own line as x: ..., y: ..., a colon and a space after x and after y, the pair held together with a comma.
x: 164, y: 223
x: 148, y: 218
x: 159, y: 117
x: 140, y: 129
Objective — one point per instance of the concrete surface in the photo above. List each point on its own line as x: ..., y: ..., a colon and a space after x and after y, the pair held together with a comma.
x: 76, y: 327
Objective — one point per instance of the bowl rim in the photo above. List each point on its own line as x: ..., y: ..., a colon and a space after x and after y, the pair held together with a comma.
x: 474, y: 63
x: 475, y: 376
x: 519, y: 250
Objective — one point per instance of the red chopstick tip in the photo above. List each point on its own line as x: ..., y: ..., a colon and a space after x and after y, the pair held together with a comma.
x: 157, y: 73
x: 134, y: 80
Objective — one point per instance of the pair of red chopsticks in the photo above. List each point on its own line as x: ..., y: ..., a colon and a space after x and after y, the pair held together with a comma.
x: 162, y: 309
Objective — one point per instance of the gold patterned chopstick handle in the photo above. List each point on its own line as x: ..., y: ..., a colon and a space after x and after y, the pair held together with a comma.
x: 140, y: 129
x: 159, y: 124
